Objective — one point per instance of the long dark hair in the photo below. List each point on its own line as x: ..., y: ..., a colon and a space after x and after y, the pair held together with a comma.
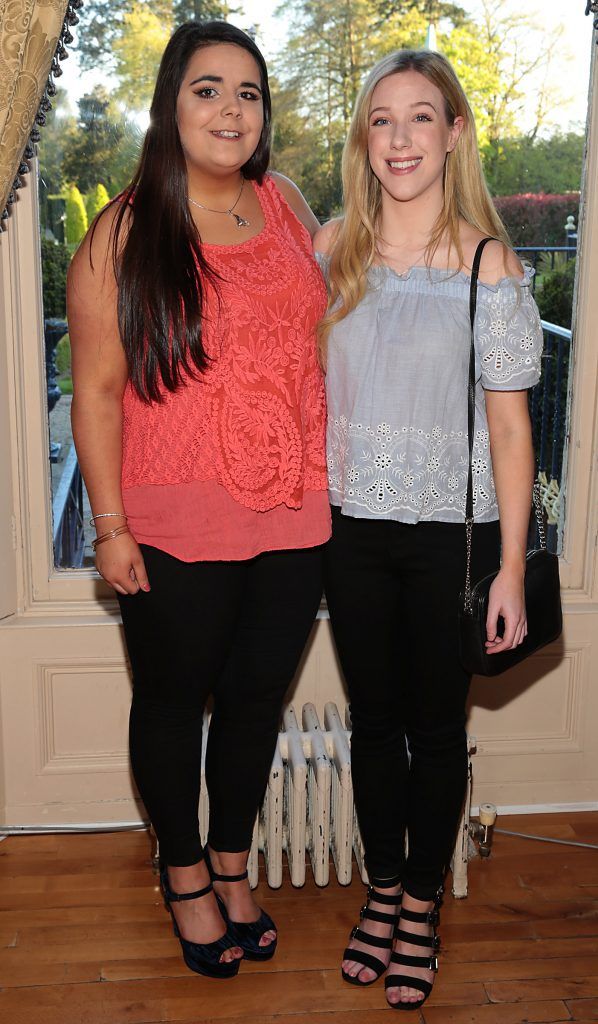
x: 160, y: 266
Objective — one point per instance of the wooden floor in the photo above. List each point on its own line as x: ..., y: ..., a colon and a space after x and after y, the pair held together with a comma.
x: 84, y: 939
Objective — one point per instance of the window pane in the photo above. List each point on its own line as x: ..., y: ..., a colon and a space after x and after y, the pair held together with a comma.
x: 87, y: 153
x: 531, y: 134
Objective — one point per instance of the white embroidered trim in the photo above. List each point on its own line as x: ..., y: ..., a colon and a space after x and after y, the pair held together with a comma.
x: 388, y: 470
x: 505, y: 353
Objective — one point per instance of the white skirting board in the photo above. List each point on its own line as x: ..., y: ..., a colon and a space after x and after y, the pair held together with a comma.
x: 587, y: 805
x: 132, y: 826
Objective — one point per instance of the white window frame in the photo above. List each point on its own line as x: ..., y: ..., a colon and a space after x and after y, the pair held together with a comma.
x: 41, y: 587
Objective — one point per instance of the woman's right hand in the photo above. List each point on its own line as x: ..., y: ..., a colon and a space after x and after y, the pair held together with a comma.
x: 119, y: 561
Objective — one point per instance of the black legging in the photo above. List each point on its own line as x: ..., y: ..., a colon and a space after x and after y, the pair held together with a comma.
x: 232, y: 629
x: 392, y: 591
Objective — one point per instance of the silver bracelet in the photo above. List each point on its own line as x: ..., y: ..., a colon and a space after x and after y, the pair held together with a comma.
x: 104, y: 515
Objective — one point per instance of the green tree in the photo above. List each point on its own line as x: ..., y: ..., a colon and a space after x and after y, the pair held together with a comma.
x: 124, y: 157
x: 100, y: 131
x: 105, y: 22
x: 101, y: 144
x: 56, y: 139
x: 201, y: 10
x: 431, y: 10
x: 137, y: 52
x: 96, y: 201
x: 76, y: 216
x: 299, y: 150
x: 517, y: 55
x: 551, y: 164
x: 328, y: 47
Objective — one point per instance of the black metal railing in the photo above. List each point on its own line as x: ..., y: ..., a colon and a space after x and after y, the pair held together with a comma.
x: 67, y: 515
x: 548, y: 408
x: 533, y: 253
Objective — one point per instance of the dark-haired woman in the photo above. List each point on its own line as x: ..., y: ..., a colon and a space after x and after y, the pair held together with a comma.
x: 198, y: 414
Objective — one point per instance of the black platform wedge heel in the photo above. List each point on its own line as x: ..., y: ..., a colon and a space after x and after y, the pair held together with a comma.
x: 201, y: 957
x: 246, y: 934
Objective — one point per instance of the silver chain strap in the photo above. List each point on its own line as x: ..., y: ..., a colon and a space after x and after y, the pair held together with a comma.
x: 539, y: 514
x: 468, y: 539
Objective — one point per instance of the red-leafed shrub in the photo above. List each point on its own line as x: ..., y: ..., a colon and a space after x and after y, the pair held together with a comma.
x: 537, y: 219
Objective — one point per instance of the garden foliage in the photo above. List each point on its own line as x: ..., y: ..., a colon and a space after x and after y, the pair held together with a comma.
x: 55, y: 262
x: 76, y: 216
x: 96, y: 201
x: 537, y: 219
x: 554, y: 294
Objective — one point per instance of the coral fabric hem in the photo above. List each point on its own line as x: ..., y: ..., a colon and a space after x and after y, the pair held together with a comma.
x: 199, y: 521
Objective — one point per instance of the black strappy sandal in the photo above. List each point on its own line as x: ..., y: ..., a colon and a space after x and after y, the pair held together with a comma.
x: 375, y: 941
x: 246, y: 934
x: 201, y: 957
x: 430, y: 963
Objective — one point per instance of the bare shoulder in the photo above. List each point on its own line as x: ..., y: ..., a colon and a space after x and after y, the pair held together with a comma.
x: 92, y: 304
x: 325, y: 236
x: 498, y: 260
x: 93, y: 259
x: 288, y: 188
x: 296, y: 201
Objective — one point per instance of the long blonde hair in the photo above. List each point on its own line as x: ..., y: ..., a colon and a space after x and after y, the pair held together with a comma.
x: 466, y: 194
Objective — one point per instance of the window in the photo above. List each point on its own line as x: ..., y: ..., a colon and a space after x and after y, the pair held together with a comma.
x: 92, y: 138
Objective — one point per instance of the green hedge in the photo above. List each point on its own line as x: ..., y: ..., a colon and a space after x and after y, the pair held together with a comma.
x: 63, y: 356
x: 537, y: 219
x: 55, y: 263
x: 76, y: 216
x: 554, y: 294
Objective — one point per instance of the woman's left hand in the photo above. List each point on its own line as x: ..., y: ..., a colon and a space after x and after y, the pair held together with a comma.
x: 506, y: 599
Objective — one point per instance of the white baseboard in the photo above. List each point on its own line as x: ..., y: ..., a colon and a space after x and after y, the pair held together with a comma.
x: 77, y: 827
x: 125, y: 826
x: 582, y: 805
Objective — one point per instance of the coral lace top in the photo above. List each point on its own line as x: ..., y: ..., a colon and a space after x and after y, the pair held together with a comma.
x: 233, y: 463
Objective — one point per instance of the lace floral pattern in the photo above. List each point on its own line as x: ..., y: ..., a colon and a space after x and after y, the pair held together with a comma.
x: 255, y: 420
x: 505, y: 358
x: 420, y: 473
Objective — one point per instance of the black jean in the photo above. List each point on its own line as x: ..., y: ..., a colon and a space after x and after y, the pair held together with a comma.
x: 235, y: 630
x: 392, y: 590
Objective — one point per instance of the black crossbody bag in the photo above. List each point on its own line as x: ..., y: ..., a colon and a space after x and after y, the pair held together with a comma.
x: 542, y: 585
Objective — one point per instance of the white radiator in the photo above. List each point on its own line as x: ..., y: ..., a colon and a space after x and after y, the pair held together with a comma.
x: 308, y: 811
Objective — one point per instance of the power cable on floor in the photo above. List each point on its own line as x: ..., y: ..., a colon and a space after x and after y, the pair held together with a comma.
x: 545, y: 839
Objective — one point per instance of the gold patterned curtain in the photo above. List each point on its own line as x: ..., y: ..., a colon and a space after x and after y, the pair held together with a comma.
x: 29, y: 32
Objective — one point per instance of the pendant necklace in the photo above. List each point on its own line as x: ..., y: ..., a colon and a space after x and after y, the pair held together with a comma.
x: 241, y: 221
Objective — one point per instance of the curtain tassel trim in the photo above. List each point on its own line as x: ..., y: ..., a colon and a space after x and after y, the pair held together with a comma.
x: 61, y: 53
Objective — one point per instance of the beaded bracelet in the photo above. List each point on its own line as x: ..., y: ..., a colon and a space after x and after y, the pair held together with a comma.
x: 111, y: 535
x: 105, y: 515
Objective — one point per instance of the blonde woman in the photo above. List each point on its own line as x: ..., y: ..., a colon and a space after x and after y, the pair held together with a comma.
x: 396, y: 345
